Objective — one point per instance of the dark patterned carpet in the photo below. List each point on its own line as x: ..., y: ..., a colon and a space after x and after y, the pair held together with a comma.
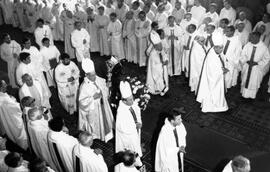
x: 247, y: 121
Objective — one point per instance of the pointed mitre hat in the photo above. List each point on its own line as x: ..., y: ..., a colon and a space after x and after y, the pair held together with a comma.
x: 125, y: 89
x: 88, y: 65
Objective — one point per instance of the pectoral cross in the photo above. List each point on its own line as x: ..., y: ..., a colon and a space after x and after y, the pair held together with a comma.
x: 251, y: 63
x: 172, y: 49
x: 45, y: 34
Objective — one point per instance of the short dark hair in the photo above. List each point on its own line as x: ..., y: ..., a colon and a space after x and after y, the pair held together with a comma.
x: 12, y: 159
x: 56, y: 124
x: 160, y: 31
x: 154, y: 24
x: 4, y: 35
x: 128, y: 158
x: 37, y: 165
x: 45, y: 39
x: 225, y: 20
x: 136, y: 3
x: 232, y: 28
x: 25, y: 39
x: 142, y: 12
x: 193, y: 26
x: 23, y: 56
x: 174, y: 113
x: 113, y: 14
x: 64, y: 56
x: 40, y: 20
x: 256, y: 33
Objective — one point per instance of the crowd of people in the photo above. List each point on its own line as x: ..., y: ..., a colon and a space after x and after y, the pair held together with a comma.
x: 208, y: 47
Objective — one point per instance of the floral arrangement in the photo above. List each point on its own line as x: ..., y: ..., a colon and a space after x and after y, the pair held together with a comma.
x: 140, y: 91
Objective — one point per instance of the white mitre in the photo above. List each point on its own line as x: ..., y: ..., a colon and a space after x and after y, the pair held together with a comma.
x: 125, y: 89
x: 88, y: 65
x: 217, y: 38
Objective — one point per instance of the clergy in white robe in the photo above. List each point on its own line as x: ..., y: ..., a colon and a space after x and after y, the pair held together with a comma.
x: 45, y: 13
x: 242, y: 34
x: 238, y: 163
x: 128, y: 122
x: 80, y: 40
x: 61, y: 145
x: 10, y: 51
x: 264, y: 21
x: 142, y: 30
x: 121, y: 9
x: 155, y: 72
x: 50, y: 55
x: 198, y: 11
x: 38, y: 130
x: 187, y: 47
x: 210, y: 30
x: 211, y: 89
x: 7, y: 9
x: 171, y: 143
x: 232, y: 52
x: 243, y: 18
x: 34, y: 89
x: 149, y: 13
x: 68, y: 20
x: 57, y: 25
x: 178, y: 12
x: 254, y: 58
x: 90, y: 159
x: 102, y: 24
x: 213, y: 14
x: 197, y: 55
x: 129, y: 38
x: 161, y: 17
x: 95, y: 114
x: 11, y: 122
x: 135, y: 8
x: 42, y: 31
x: 187, y: 20
x: 19, y: 10
x: 174, y: 35
x: 130, y: 161
x: 31, y: 15
x: 92, y: 28
x: 67, y: 80
x: 114, y: 30
x: 80, y: 15
x: 228, y: 12
x: 168, y: 7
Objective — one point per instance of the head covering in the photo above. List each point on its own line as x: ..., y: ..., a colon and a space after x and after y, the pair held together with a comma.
x: 217, y: 38
x: 88, y: 65
x: 125, y: 89
x: 212, y: 24
x: 213, y: 5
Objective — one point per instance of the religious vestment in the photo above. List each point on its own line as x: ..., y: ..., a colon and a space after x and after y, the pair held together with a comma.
x: 126, y: 135
x: 10, y: 53
x: 61, y: 146
x: 228, y: 167
x: 68, y: 29
x: 161, y: 19
x: 243, y: 37
x: 92, y: 28
x: 187, y: 47
x: 89, y: 160
x: 232, y: 52
x: 214, y: 17
x: 155, y: 72
x: 142, y: 30
x: 229, y: 14
x: 198, y: 13
x: 150, y: 15
x: 32, y: 14
x: 260, y: 23
x: 36, y: 91
x: 11, y: 122
x: 129, y: 40
x: 57, y: 25
x: 81, y: 16
x: 95, y: 115
x: 168, y: 145
x: 102, y: 24
x: 248, y: 26
x: 197, y: 55
x: 38, y: 131
x: 136, y: 13
x: 7, y: 9
x: 122, y: 168
x: 252, y: 74
x: 81, y: 48
x: 178, y: 15
x: 168, y: 8
x: 67, y: 91
x: 19, y: 10
x: 211, y: 89
x: 114, y: 30
x: 176, y: 50
x: 46, y: 14
x: 185, y: 23
x: 50, y: 60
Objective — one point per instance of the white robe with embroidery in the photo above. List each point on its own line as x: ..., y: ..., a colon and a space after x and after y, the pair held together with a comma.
x: 7, y: 51
x: 211, y: 91
x: 81, y: 49
x: 166, y: 158
x: 11, y: 122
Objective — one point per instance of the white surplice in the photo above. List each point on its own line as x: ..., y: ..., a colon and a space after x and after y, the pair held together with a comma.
x: 38, y: 131
x: 129, y: 40
x: 7, y: 54
x: 67, y: 91
x: 211, y: 89
x: 89, y: 160
x: 11, y: 122
x: 243, y: 37
x: 77, y: 40
x: 166, y: 158
x: 64, y: 144
x: 198, y: 13
x: 95, y: 115
x: 121, y: 12
x: 229, y: 14
x: 92, y: 28
x: 257, y: 73
x: 49, y: 53
x: 44, y: 32
x: 126, y: 134
x: 214, y: 16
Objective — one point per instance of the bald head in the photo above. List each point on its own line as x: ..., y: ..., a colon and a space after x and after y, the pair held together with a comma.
x: 86, y: 139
